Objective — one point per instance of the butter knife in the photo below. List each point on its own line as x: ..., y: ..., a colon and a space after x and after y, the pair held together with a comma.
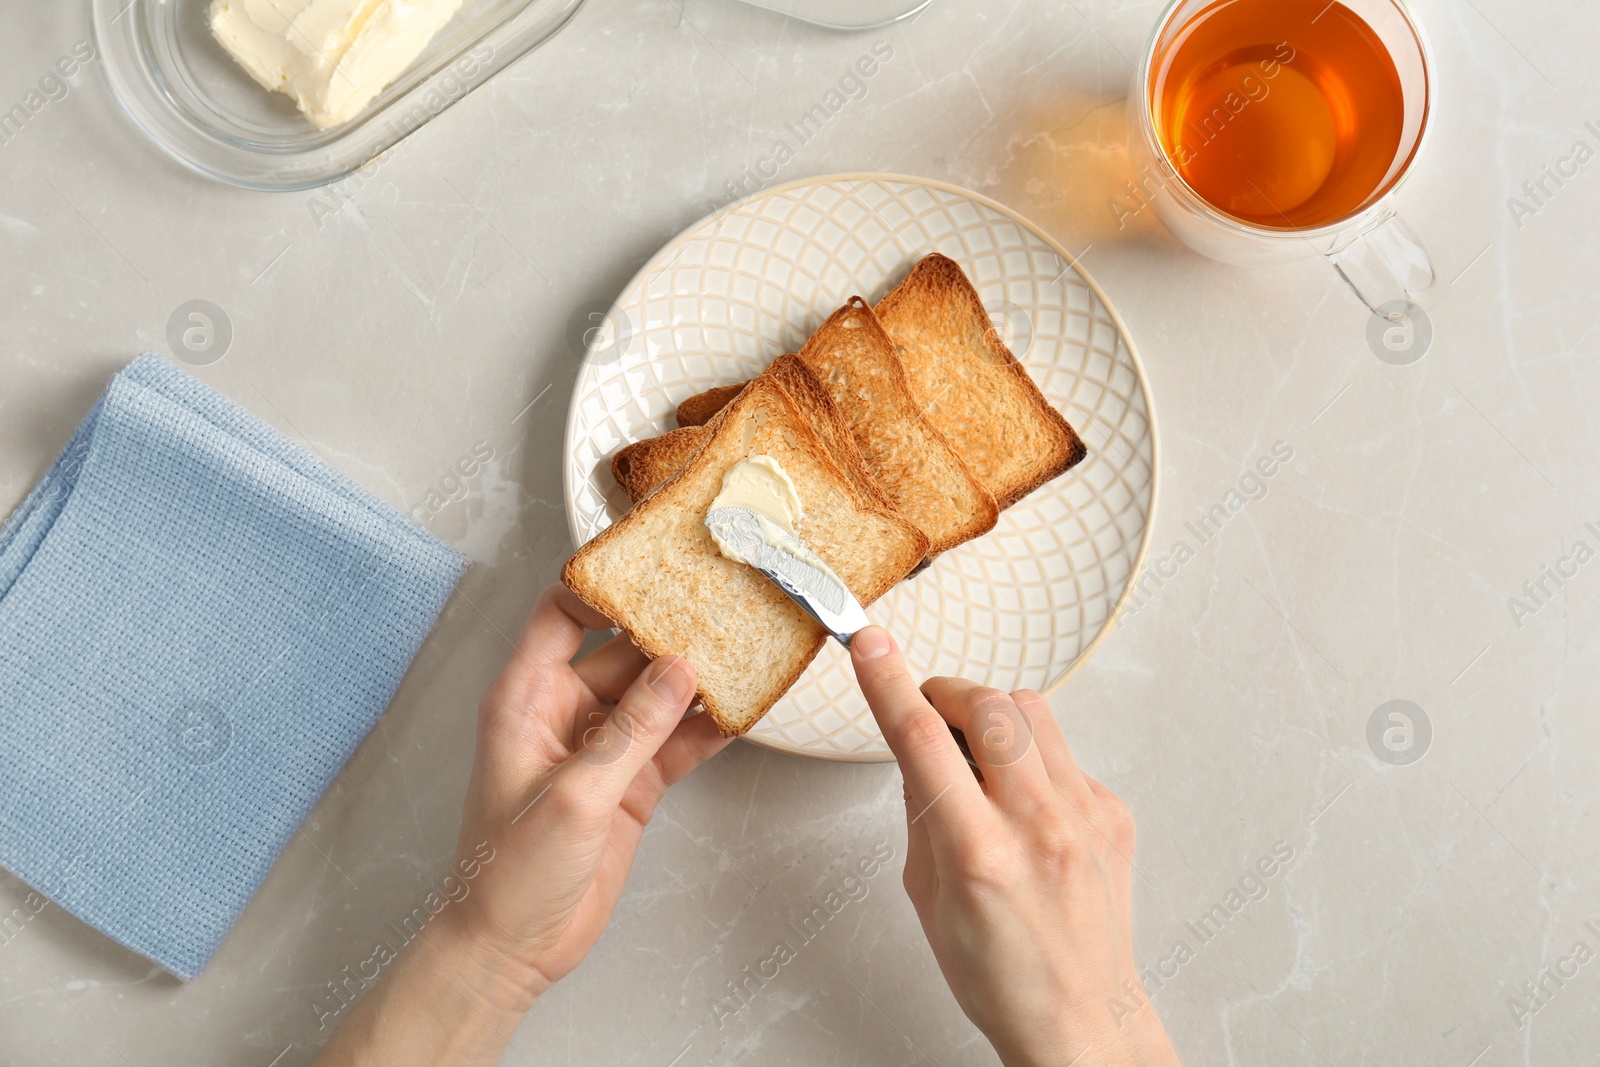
x: 792, y: 567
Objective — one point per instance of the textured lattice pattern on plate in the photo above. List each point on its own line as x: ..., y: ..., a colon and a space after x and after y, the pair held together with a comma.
x: 1016, y: 608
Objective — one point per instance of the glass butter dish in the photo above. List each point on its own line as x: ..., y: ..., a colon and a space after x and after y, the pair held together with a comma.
x: 196, y: 103
x: 189, y: 96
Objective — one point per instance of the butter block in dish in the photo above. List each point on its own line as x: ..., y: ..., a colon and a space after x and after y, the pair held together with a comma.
x: 330, y: 56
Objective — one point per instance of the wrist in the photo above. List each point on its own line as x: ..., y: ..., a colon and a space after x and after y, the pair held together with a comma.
x: 447, y: 1001
x: 1139, y: 1041
x: 480, y: 967
x: 1153, y: 1050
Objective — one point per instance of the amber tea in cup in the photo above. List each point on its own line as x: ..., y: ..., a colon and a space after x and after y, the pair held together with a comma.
x: 1266, y: 129
x: 1280, y: 112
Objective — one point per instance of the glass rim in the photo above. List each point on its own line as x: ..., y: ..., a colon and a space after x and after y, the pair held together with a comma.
x: 1191, y: 199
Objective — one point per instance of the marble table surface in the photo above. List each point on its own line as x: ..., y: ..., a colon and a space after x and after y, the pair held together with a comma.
x: 397, y: 324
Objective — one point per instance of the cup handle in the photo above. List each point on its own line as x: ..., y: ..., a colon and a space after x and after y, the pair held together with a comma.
x: 1383, y: 265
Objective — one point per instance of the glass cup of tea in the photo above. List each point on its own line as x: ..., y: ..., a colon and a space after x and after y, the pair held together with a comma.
x: 1267, y: 130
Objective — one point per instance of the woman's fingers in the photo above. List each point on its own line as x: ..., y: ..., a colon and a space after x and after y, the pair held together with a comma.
x: 526, y: 719
x: 1112, y: 821
x: 999, y: 734
x: 611, y: 753
x: 555, y: 630
x: 693, y: 741
x: 943, y: 790
x: 611, y: 668
x: 535, y: 679
x: 1056, y: 753
x: 921, y: 876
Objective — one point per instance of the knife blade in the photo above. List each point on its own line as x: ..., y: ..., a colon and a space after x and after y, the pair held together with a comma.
x: 792, y: 567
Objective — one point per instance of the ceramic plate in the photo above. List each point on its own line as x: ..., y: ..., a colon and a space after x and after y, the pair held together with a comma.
x: 1024, y: 605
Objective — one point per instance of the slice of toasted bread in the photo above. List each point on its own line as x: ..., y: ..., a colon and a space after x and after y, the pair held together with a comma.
x: 643, y: 465
x: 906, y: 455
x: 698, y: 409
x: 657, y: 574
x: 811, y: 397
x: 970, y: 385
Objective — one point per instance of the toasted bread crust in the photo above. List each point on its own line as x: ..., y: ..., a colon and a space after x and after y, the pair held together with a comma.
x: 643, y: 465
x: 698, y: 409
x: 657, y: 574
x: 971, y: 385
x: 1010, y: 464
x: 909, y: 458
x: 819, y: 411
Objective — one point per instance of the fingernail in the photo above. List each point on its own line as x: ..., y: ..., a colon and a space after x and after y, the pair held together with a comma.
x: 871, y: 643
x: 669, y: 679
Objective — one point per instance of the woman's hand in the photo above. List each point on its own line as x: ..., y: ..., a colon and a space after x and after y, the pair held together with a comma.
x: 1023, y: 881
x: 572, y: 759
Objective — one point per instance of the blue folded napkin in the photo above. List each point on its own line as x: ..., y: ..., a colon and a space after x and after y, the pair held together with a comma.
x: 199, y: 620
